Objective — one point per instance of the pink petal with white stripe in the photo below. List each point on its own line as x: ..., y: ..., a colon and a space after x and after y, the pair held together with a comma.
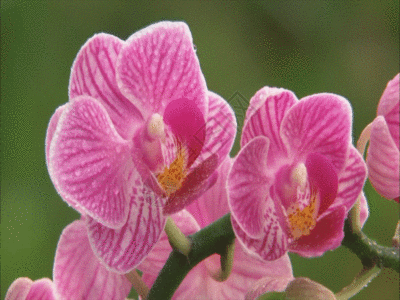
x: 351, y: 180
x: 264, y: 117
x: 319, y: 123
x: 327, y: 235
x: 89, y: 162
x: 156, y: 259
x: 274, y: 242
x: 383, y: 160
x: 195, y: 184
x: 157, y: 65
x: 93, y: 74
x: 19, y: 289
x: 220, y: 130
x: 213, y: 204
x: 389, y: 107
x: 78, y: 273
x: 248, y: 185
x: 125, y: 248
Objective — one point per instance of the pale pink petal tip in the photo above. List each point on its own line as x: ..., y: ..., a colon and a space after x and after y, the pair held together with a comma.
x: 383, y: 160
x: 78, y: 273
x: 25, y: 289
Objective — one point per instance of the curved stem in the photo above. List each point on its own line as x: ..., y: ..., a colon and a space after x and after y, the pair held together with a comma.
x: 211, y: 239
x: 226, y: 263
x: 368, y: 251
x: 137, y: 283
x: 361, y: 281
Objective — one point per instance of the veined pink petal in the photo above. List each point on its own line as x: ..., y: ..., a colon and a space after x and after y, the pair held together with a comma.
x: 195, y: 184
x: 322, y: 174
x: 19, y: 289
x: 319, y: 123
x: 389, y: 107
x: 383, y: 160
x: 264, y: 116
x: 220, y: 130
x: 327, y: 235
x: 213, y: 204
x: 123, y: 249
x: 274, y: 242
x: 156, y: 259
x: 89, y: 162
x: 248, y: 185
x: 351, y: 180
x: 188, y: 125
x: 93, y: 74
x: 157, y: 65
x: 51, y: 129
x: 78, y: 273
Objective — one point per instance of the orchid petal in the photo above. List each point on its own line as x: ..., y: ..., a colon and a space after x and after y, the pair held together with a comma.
x: 213, y: 204
x: 266, y: 285
x: 351, y: 180
x: 88, y: 162
x: 327, y: 235
x: 383, y: 160
x: 156, y: 259
x: 158, y: 64
x: 19, y: 289
x: 364, y: 210
x: 123, y: 249
x: 264, y: 117
x: 195, y: 184
x: 322, y: 174
x: 389, y: 107
x: 319, y: 123
x: 188, y: 125
x: 93, y: 74
x: 78, y: 274
x: 42, y: 289
x: 220, y: 130
x: 248, y: 186
x: 273, y: 244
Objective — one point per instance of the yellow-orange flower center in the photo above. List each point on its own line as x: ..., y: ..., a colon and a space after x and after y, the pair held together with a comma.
x: 172, y: 177
x: 302, y: 221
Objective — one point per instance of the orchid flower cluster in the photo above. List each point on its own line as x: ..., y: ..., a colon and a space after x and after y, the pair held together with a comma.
x: 141, y: 151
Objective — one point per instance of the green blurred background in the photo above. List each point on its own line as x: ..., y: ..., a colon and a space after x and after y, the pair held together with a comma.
x: 344, y: 47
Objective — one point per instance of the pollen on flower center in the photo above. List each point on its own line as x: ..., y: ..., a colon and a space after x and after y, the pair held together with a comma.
x: 302, y: 221
x: 172, y: 177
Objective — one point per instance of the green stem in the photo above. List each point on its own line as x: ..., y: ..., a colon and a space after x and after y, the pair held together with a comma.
x: 226, y: 263
x: 358, y: 283
x: 368, y: 251
x: 211, y: 239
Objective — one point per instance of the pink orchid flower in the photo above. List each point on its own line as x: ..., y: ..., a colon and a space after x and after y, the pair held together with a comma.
x: 296, y: 176
x: 24, y: 288
x: 139, y: 138
x: 199, y: 283
x: 383, y: 150
x: 79, y: 274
